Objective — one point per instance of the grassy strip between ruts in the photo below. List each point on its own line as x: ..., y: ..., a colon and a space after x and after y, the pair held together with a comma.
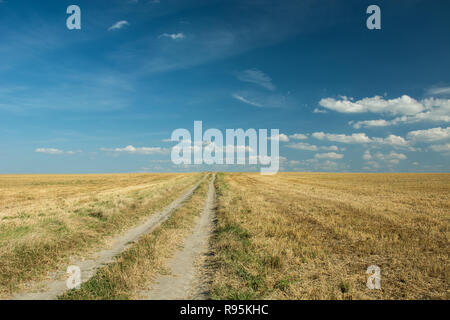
x: 47, y: 242
x: 134, y: 269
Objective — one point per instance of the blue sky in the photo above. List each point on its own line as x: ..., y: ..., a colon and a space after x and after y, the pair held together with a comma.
x: 106, y: 97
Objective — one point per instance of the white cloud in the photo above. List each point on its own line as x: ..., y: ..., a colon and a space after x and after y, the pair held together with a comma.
x: 263, y: 99
x: 132, y: 150
x: 303, y: 146
x: 294, y: 162
x: 434, y: 110
x: 119, y: 25
x: 392, y: 140
x: 430, y: 135
x: 390, y: 156
x: 54, y: 151
x: 241, y: 98
x: 441, y: 147
x: 439, y: 91
x: 257, y: 77
x: 361, y: 138
x: 370, y: 123
x: 173, y: 36
x: 354, y: 138
x: 317, y: 110
x: 367, y: 155
x: 329, y: 155
x: 298, y: 136
x: 404, y: 105
x: 281, y: 137
x: 331, y: 148
x: 311, y: 147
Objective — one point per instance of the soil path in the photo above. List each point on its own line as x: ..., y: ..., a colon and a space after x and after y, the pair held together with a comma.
x: 52, y: 288
x: 189, y: 273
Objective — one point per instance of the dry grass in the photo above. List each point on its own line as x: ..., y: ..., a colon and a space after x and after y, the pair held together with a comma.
x: 44, y: 219
x: 136, y: 268
x: 312, y: 236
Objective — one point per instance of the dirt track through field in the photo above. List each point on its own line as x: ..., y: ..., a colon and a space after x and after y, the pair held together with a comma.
x: 188, y: 278
x: 52, y: 288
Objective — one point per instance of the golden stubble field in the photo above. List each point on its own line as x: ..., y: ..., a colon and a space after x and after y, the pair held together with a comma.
x: 313, y: 236
x: 288, y: 236
x: 45, y: 219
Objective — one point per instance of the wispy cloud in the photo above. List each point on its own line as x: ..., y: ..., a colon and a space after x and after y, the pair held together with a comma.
x: 317, y: 110
x: 257, y: 77
x: 263, y: 99
x: 119, y: 25
x: 173, y: 36
x: 439, y: 91
x: 245, y: 100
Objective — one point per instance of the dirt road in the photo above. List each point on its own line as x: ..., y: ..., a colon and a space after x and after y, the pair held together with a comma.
x: 188, y: 279
x: 51, y: 288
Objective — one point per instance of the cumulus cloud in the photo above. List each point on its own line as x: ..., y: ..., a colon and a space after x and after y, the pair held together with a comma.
x: 430, y: 135
x: 392, y: 140
x: 173, y: 36
x: 342, y: 138
x: 433, y: 110
x: 441, y: 147
x: 54, y: 151
x: 298, y: 136
x: 367, y: 155
x: 132, y: 150
x: 390, y: 158
x: 329, y: 155
x: 303, y: 146
x: 404, y: 105
x: 281, y: 137
x: 119, y: 25
x: 369, y: 123
x: 311, y: 147
x: 361, y: 138
x: 257, y: 77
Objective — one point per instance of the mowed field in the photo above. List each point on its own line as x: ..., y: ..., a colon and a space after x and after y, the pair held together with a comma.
x: 45, y: 219
x: 287, y: 236
x: 313, y: 236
